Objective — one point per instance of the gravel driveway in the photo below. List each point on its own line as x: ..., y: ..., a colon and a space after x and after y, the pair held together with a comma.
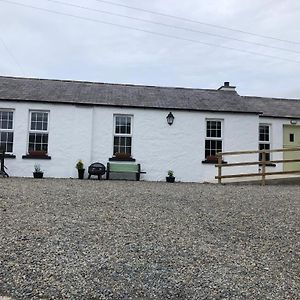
x: 72, y: 239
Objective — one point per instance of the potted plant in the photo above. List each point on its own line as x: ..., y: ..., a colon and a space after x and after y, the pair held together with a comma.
x: 38, y: 173
x: 170, y: 177
x: 212, y: 159
x: 122, y: 155
x: 79, y: 167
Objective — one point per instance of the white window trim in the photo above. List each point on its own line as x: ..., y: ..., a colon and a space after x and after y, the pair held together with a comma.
x: 222, y: 130
x: 122, y: 134
x: 214, y: 138
x: 131, y: 125
x: 270, y: 137
x: 13, y: 125
x: 37, y: 131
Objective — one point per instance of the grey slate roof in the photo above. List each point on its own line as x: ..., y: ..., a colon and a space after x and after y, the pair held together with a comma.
x: 275, y: 107
x: 122, y: 95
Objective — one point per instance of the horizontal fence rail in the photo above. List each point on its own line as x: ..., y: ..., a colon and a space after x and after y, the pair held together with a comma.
x: 263, y: 163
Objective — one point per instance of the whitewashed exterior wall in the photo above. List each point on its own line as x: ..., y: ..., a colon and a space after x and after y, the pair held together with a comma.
x: 86, y: 132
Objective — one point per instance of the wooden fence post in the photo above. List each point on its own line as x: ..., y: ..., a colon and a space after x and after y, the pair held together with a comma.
x: 263, y: 168
x: 219, y: 167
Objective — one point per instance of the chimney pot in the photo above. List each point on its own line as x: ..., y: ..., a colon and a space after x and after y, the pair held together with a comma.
x: 227, y: 87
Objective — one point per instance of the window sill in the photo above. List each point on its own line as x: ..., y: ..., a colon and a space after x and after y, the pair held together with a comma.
x: 28, y: 156
x: 121, y: 159
x: 211, y: 162
x: 6, y: 155
x: 268, y: 165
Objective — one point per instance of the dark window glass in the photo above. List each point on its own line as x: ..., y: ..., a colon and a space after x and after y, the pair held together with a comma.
x: 213, y: 129
x: 6, y: 120
x: 264, y: 140
x: 122, y: 145
x: 38, y: 142
x: 123, y: 125
x: 122, y: 142
x: 212, y: 147
x: 6, y: 133
x: 6, y: 141
x: 214, y: 132
x: 264, y: 133
x: 292, y: 137
x: 39, y: 121
x: 264, y: 147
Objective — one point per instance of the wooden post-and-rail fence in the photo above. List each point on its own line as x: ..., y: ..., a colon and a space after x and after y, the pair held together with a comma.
x: 263, y: 163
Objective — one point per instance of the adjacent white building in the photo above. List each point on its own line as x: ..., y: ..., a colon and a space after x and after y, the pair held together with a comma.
x: 54, y: 123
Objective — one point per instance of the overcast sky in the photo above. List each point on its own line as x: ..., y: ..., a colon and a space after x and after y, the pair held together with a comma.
x: 41, y: 44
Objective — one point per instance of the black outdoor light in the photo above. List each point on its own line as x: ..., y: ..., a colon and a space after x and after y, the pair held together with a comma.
x: 170, y: 118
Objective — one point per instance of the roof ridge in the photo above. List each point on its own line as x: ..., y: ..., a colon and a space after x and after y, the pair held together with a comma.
x: 272, y: 98
x: 109, y: 83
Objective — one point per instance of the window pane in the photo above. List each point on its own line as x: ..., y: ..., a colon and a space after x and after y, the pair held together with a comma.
x: 6, y: 141
x: 39, y: 121
x: 6, y: 120
x: 44, y: 126
x: 264, y: 133
x: 212, y: 147
x: 128, y: 141
x: 122, y: 149
x: 38, y: 142
x: 10, y: 137
x: 9, y: 147
x: 31, y: 137
x: 38, y: 126
x: 39, y: 117
x: 264, y: 147
x: 38, y: 147
x: 115, y: 150
x: 45, y: 139
x: 123, y: 125
x: 213, y: 129
x: 4, y: 124
x: 122, y: 143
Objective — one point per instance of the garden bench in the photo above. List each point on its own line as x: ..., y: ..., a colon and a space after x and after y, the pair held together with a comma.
x: 124, y: 168
x: 97, y: 169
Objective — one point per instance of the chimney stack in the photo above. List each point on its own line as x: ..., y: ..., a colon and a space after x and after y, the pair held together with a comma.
x: 227, y: 87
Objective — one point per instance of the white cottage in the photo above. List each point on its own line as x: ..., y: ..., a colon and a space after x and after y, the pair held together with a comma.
x: 56, y: 122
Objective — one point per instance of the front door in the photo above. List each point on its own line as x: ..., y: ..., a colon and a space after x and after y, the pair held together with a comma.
x: 291, y: 139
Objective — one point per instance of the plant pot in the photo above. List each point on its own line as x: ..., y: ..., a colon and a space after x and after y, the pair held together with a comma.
x: 121, y: 155
x: 170, y: 179
x: 81, y: 174
x: 38, y: 174
x: 37, y: 153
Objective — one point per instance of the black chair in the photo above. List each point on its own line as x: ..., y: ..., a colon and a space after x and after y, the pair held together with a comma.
x: 96, y: 169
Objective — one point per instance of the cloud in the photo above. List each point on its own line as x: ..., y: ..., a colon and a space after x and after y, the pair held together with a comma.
x: 54, y: 46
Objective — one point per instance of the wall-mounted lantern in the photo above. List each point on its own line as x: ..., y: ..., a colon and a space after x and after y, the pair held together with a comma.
x: 170, y: 118
x: 293, y: 122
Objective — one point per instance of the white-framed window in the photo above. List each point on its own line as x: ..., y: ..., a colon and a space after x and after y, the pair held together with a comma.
x: 6, y: 130
x: 38, y: 131
x: 264, y: 139
x: 122, y: 134
x: 214, y: 136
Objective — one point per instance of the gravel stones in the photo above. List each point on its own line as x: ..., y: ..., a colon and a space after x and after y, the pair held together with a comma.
x: 72, y: 239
